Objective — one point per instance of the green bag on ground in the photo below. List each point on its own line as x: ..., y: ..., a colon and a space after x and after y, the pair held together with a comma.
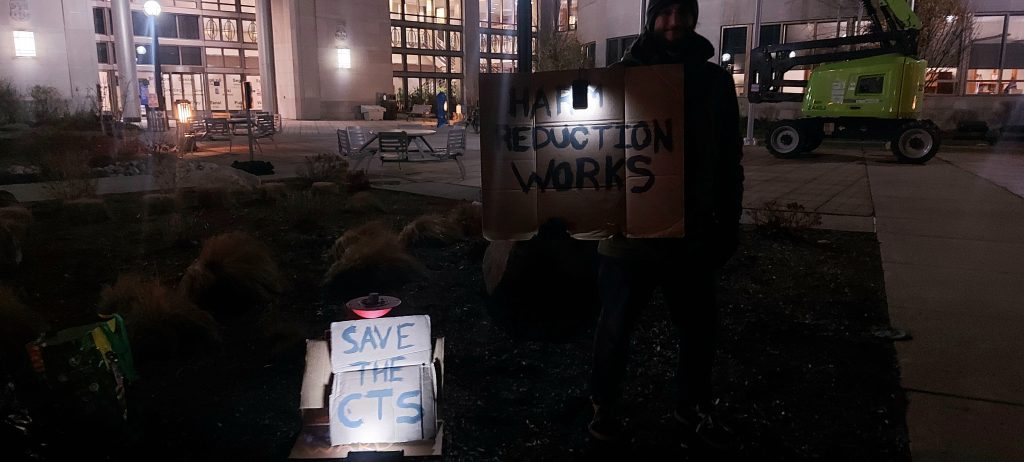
x: 84, y: 369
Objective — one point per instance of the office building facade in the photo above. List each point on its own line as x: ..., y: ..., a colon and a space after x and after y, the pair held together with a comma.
x: 985, y: 81
x: 321, y: 59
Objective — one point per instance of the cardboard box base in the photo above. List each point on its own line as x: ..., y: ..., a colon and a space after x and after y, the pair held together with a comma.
x: 314, y: 442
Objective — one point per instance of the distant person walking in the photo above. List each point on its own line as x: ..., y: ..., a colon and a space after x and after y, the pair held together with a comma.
x: 442, y: 112
x: 686, y: 268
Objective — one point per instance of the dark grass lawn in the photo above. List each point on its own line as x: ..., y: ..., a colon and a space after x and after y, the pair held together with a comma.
x: 800, y: 375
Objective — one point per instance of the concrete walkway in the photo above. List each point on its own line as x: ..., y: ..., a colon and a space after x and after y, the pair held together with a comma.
x: 952, y: 244
x: 951, y: 235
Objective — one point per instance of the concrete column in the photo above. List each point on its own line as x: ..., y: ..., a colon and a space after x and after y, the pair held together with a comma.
x: 524, y: 29
x: 268, y: 72
x: 471, y: 50
x: 124, y: 49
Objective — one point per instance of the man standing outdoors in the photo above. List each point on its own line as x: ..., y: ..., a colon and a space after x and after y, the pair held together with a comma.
x: 685, y: 268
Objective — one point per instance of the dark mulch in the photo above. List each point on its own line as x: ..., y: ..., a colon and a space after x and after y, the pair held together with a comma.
x: 800, y: 375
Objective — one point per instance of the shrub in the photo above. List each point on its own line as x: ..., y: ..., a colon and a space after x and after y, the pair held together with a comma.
x: 775, y: 218
x: 234, y: 274
x: 69, y: 176
x: 429, y: 229
x: 370, y: 263
x: 11, y: 105
x: 352, y: 236
x: 161, y: 323
x: 357, y: 181
x: 48, y: 105
x: 272, y: 191
x: 80, y: 119
x: 324, y: 188
x: 323, y: 167
x: 100, y: 160
x: 131, y: 148
x: 468, y: 218
x: 364, y: 202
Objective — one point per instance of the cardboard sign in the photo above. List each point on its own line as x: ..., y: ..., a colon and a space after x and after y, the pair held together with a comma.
x: 382, y: 399
x: 380, y: 343
x: 613, y: 168
x: 389, y: 404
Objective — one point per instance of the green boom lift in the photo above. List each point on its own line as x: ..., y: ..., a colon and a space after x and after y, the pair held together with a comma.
x: 868, y: 86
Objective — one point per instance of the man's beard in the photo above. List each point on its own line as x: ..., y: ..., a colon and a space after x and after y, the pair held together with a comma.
x: 674, y: 47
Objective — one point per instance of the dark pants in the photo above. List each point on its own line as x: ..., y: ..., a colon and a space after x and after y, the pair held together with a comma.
x: 625, y: 289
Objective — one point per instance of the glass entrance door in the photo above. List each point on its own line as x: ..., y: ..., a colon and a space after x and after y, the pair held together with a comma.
x: 184, y: 86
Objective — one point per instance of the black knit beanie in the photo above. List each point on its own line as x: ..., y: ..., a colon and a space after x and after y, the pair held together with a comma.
x: 656, y: 6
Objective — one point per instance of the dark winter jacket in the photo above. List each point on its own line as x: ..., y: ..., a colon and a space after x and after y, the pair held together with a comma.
x: 712, y: 147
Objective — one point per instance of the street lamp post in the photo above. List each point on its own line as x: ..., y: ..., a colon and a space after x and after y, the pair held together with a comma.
x: 152, y: 9
x: 749, y: 140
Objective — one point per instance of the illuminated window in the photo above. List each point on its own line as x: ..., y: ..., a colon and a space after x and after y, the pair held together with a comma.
x: 212, y: 29
x: 941, y: 81
x: 455, y: 40
x: 396, y: 36
x: 567, y: 12
x: 733, y: 57
x: 344, y: 58
x: 249, y: 34
x: 996, y: 64
x: 24, y: 44
x: 616, y: 47
x: 229, y: 30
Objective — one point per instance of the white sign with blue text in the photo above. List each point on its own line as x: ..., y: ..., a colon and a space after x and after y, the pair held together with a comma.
x: 389, y: 404
x: 383, y: 342
x: 383, y: 381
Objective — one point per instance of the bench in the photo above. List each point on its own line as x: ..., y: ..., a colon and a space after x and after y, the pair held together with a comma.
x: 419, y: 110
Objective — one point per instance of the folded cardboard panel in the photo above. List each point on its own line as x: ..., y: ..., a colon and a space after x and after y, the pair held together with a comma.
x: 615, y: 167
x: 388, y: 404
x: 381, y: 342
x: 396, y: 404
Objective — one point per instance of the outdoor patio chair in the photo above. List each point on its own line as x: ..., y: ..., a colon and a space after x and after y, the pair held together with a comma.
x: 220, y: 130
x: 356, y: 138
x: 264, y: 128
x: 393, y: 147
x: 455, y: 149
x: 344, y: 146
x: 195, y: 131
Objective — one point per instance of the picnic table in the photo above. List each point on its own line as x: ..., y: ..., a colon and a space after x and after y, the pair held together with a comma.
x: 416, y: 136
